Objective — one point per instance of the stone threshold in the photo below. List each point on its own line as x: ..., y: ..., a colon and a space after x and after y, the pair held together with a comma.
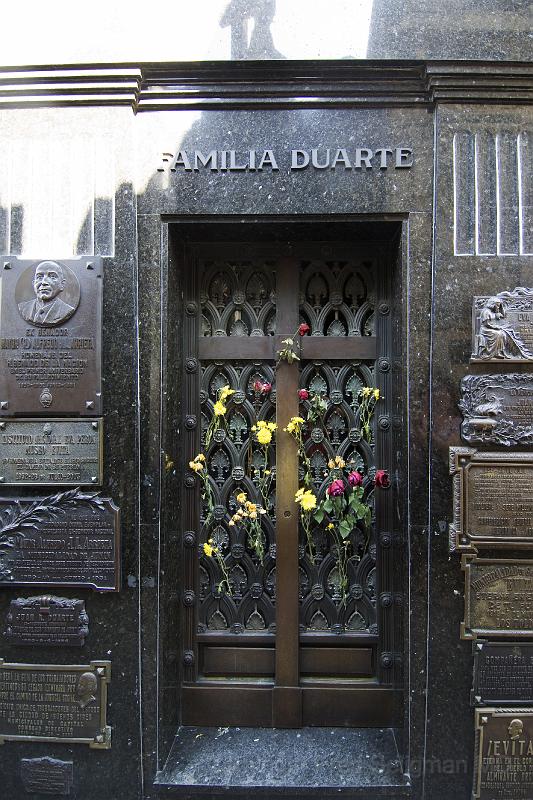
x: 293, y: 764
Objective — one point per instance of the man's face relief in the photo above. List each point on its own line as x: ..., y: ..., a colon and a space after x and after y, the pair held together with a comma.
x: 48, y: 282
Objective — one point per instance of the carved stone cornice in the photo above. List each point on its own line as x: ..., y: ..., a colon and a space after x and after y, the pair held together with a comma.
x: 267, y: 84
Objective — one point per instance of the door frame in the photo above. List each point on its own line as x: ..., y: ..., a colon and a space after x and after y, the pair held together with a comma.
x: 390, y: 659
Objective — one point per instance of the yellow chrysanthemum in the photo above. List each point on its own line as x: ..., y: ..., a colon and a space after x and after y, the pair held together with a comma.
x: 200, y: 457
x: 376, y: 394
x: 196, y: 466
x: 272, y: 426
x: 264, y: 436
x: 365, y: 391
x: 208, y: 550
x: 331, y: 464
x: 340, y: 462
x: 306, y: 499
x: 330, y: 526
x: 241, y: 497
x: 225, y: 392
x: 219, y: 409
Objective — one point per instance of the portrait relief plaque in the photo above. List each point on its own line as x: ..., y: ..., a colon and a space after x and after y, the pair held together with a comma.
x: 492, y: 499
x: 50, y: 336
x: 503, y: 754
x: 503, y: 673
x: 47, y: 775
x: 67, y: 539
x: 503, y: 327
x: 55, y: 703
x: 51, y: 452
x: 497, y: 409
x: 498, y: 598
x: 47, y: 620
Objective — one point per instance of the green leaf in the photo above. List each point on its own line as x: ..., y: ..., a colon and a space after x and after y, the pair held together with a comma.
x: 319, y: 515
x: 327, y: 505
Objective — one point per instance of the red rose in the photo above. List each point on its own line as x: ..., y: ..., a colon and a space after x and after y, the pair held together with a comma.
x: 381, y: 479
x: 336, y: 488
x: 303, y: 329
x: 303, y: 394
x: 262, y: 388
x: 355, y: 479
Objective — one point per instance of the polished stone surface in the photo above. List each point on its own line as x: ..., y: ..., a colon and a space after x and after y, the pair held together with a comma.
x: 259, y: 758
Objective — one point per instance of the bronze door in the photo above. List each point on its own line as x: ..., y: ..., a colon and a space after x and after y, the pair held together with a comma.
x: 292, y: 643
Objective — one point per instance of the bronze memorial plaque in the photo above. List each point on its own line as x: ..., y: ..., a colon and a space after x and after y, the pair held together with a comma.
x: 46, y: 775
x: 68, y: 539
x: 47, y: 620
x: 50, y: 336
x: 55, y: 703
x: 503, y: 673
x: 498, y: 598
x: 62, y: 452
x: 497, y: 409
x: 492, y: 499
x: 503, y: 327
x: 503, y: 755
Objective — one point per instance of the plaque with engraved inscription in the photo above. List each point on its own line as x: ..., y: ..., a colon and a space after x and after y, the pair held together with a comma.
x: 55, y: 703
x: 503, y: 754
x: 492, y: 499
x: 497, y: 409
x: 503, y: 673
x: 503, y: 327
x: 46, y: 775
x: 47, y: 620
x: 67, y: 539
x: 50, y: 336
x: 498, y: 598
x: 63, y: 452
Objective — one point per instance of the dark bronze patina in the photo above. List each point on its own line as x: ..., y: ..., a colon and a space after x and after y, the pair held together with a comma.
x: 55, y: 703
x: 497, y: 409
x: 50, y: 336
x: 53, y: 452
x: 67, y: 539
x: 503, y: 327
x: 46, y: 775
x: 503, y: 756
x: 498, y: 598
x: 492, y: 499
x: 46, y: 620
x: 503, y: 673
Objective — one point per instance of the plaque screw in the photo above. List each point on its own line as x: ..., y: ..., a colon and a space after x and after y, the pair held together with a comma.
x: 89, y: 404
x: 2, y: 426
x: 7, y: 264
x: 100, y: 671
x: 93, y: 479
x: 99, y: 738
x: 477, y: 698
x: 90, y: 265
x: 95, y: 425
x: 2, y: 479
x: 4, y: 405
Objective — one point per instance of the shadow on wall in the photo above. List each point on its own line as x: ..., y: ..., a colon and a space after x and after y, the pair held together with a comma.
x: 237, y: 17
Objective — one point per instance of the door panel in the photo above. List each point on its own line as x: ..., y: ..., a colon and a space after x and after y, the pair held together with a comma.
x: 285, y: 647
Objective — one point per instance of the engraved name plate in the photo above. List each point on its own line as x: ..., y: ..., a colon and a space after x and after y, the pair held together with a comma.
x: 498, y: 597
x: 503, y: 673
x: 492, y: 499
x: 63, y: 452
x: 46, y: 775
x: 50, y: 340
x: 55, y: 703
x: 67, y: 539
x: 503, y: 756
x: 503, y: 327
x: 497, y: 409
x: 46, y: 620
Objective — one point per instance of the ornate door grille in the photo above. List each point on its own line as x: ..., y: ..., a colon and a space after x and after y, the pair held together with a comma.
x: 285, y: 648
